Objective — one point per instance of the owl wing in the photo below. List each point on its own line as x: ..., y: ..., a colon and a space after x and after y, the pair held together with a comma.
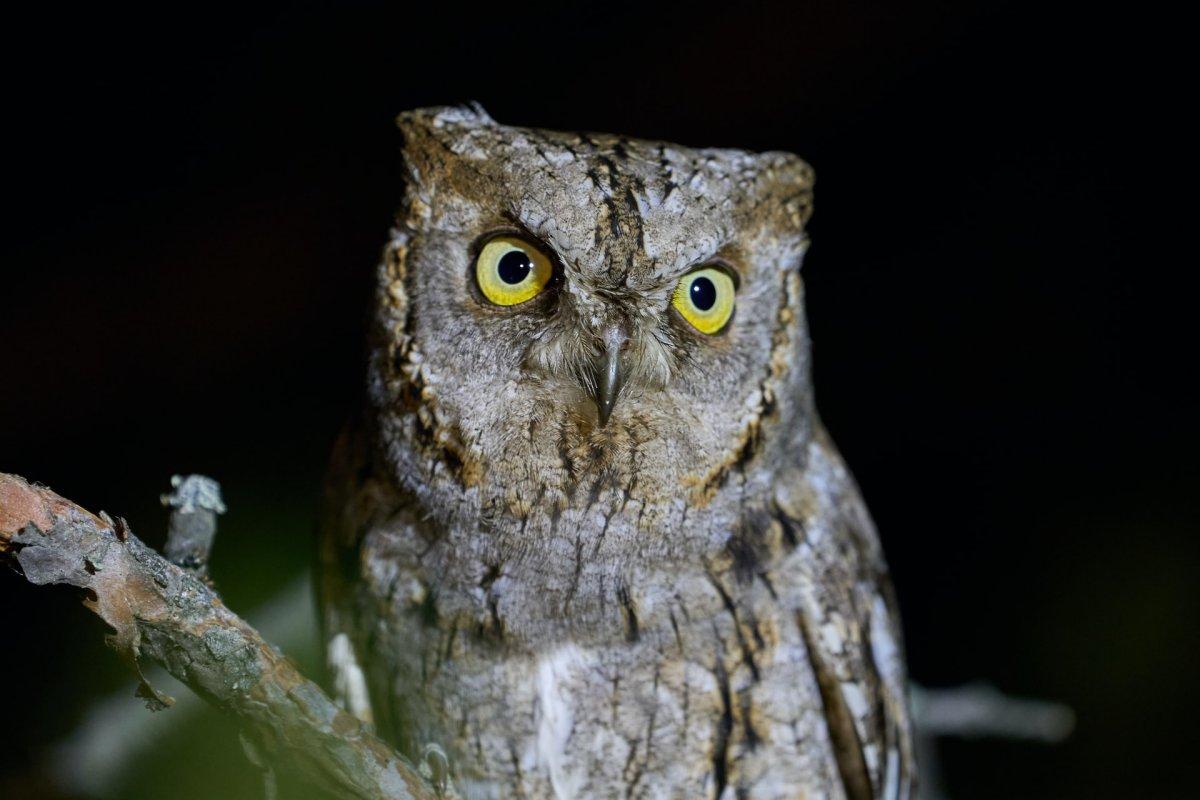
x: 350, y: 501
x: 839, y: 587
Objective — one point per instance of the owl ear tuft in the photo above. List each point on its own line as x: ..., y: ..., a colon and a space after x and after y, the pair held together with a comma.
x: 436, y: 138
x: 786, y: 180
x: 440, y: 133
x: 479, y: 111
x: 438, y: 118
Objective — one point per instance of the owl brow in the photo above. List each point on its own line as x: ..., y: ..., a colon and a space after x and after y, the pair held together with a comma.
x: 718, y: 260
x: 512, y: 225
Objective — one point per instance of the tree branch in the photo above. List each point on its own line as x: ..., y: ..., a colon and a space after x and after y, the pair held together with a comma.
x: 161, y: 612
x: 979, y: 709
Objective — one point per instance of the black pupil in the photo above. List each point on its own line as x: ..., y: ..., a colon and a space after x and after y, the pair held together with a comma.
x: 704, y: 294
x: 514, y: 266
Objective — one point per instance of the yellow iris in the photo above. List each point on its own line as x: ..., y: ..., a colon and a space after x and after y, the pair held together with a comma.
x: 510, y: 270
x: 705, y: 299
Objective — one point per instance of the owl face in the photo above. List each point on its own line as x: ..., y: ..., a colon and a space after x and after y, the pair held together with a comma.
x: 565, y: 316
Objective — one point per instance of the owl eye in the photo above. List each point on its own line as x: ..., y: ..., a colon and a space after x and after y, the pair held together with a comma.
x: 510, y: 270
x: 705, y: 298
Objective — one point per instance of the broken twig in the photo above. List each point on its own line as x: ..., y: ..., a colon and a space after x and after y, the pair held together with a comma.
x: 194, y: 503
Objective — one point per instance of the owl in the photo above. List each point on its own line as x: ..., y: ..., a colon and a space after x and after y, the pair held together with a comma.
x: 588, y: 538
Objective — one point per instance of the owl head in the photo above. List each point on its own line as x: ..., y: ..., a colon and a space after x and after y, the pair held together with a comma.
x: 575, y: 320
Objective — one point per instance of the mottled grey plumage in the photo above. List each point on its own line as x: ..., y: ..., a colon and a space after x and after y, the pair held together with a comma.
x: 687, y: 600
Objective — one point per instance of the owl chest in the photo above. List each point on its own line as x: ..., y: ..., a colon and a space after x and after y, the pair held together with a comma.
x: 688, y: 687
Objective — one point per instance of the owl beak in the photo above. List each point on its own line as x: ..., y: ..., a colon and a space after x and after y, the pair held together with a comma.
x: 610, y: 372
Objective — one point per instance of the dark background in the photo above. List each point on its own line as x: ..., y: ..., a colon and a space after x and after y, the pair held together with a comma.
x: 196, y: 202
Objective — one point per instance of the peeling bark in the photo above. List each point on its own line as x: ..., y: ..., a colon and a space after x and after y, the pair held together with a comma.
x: 160, y: 612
